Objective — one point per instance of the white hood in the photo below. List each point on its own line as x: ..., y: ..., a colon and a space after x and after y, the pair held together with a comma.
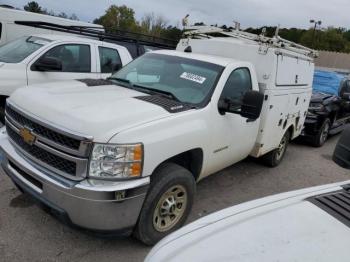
x: 284, y: 227
x: 98, y: 111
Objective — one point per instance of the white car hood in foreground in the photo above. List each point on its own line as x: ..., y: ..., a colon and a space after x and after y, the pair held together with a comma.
x: 98, y: 111
x: 282, y: 228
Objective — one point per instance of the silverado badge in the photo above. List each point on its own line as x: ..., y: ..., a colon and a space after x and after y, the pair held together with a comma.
x: 27, y: 135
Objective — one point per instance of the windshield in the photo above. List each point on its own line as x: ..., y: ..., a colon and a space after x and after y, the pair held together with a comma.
x: 186, y: 80
x: 17, y: 50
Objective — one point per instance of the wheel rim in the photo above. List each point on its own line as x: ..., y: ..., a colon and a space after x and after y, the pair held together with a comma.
x: 281, y: 148
x: 170, y: 208
x: 324, y: 133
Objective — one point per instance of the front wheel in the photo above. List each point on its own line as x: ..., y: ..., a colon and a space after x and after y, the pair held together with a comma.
x: 167, y: 205
x: 274, y: 158
x: 322, y: 134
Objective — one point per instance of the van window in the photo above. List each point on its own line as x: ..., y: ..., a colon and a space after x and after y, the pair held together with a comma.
x: 75, y: 58
x: 109, y: 60
x: 17, y: 50
x: 0, y: 30
x: 238, y: 83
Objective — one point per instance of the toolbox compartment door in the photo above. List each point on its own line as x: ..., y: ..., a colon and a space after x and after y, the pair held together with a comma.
x: 293, y: 71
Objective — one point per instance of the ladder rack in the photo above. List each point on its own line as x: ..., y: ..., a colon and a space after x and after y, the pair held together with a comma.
x: 93, y: 32
x: 205, y: 32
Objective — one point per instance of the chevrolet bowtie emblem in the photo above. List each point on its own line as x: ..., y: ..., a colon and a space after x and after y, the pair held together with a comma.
x: 27, y: 135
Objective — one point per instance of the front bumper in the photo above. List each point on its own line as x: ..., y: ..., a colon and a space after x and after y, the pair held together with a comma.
x: 105, y: 207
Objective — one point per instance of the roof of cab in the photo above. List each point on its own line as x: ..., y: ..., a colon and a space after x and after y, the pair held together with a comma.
x: 66, y: 37
x: 219, y: 60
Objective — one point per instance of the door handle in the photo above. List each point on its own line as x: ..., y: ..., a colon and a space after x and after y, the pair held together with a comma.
x: 250, y: 120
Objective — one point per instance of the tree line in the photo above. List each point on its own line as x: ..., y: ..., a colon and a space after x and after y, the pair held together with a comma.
x: 122, y: 18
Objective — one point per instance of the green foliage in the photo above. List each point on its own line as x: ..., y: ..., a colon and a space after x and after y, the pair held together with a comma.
x: 36, y: 8
x: 118, y: 18
x: 33, y: 7
x: 329, y: 39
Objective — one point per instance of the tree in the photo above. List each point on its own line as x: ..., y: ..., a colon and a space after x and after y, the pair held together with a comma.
x: 33, y: 7
x: 118, y: 18
x: 153, y: 24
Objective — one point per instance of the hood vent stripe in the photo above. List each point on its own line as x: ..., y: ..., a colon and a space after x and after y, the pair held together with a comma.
x: 337, y: 204
x: 169, y: 105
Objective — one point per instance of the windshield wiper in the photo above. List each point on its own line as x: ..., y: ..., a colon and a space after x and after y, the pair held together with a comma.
x: 145, y: 89
x: 122, y: 80
x: 158, y: 91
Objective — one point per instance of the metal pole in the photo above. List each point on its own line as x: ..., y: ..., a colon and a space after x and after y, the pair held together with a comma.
x: 313, y: 36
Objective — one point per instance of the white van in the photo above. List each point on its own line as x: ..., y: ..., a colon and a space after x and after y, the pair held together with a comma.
x: 10, y: 30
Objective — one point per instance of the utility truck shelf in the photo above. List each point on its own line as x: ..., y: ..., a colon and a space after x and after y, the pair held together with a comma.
x: 123, y: 155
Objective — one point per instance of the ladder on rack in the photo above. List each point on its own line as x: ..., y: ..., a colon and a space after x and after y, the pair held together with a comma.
x: 205, y: 32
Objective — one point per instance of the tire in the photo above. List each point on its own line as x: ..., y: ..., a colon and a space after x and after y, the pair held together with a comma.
x: 275, y: 157
x: 170, y: 183
x: 322, y: 134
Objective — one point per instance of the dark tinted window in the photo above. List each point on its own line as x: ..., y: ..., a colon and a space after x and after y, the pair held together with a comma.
x: 109, y: 60
x: 0, y: 30
x: 238, y: 83
x: 75, y: 58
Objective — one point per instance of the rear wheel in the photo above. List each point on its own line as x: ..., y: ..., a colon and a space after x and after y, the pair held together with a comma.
x: 322, y: 134
x: 274, y: 158
x: 167, y: 205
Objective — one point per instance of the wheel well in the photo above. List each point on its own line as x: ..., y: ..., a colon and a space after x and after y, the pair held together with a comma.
x: 192, y: 160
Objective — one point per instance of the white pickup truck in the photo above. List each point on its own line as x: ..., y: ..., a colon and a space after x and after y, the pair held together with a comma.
x: 45, y: 58
x: 123, y: 155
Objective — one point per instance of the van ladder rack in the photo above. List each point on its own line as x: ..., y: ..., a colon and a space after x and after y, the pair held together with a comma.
x: 205, y: 32
x: 93, y: 32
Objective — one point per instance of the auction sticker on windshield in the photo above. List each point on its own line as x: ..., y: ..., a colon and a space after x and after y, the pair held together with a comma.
x: 193, y: 77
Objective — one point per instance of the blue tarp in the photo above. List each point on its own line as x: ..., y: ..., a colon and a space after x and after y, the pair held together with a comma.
x: 327, y: 82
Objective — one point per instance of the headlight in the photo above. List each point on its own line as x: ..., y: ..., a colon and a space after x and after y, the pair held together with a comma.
x: 116, y: 161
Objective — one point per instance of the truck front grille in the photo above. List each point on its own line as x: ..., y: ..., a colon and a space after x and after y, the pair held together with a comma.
x: 43, y: 131
x: 40, y: 154
x: 58, y: 152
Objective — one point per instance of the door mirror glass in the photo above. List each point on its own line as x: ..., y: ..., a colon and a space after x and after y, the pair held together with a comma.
x: 250, y: 107
x: 341, y: 155
x: 48, y: 64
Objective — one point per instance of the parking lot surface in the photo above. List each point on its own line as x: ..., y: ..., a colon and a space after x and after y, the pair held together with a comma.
x: 27, y: 233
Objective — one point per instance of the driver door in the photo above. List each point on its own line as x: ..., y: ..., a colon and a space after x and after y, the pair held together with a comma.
x: 76, y: 64
x: 233, y: 136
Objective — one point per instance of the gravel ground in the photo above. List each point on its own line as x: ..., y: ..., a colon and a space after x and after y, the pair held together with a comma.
x: 27, y: 233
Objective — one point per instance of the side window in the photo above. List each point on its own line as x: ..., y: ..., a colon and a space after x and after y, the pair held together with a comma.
x: 109, y: 60
x: 75, y: 58
x: 0, y: 30
x: 238, y: 83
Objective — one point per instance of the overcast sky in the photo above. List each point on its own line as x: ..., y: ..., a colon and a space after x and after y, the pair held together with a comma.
x: 287, y: 13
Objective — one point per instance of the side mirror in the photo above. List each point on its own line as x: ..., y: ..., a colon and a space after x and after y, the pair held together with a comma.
x: 249, y: 108
x: 341, y: 155
x: 344, y: 90
x: 48, y: 64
